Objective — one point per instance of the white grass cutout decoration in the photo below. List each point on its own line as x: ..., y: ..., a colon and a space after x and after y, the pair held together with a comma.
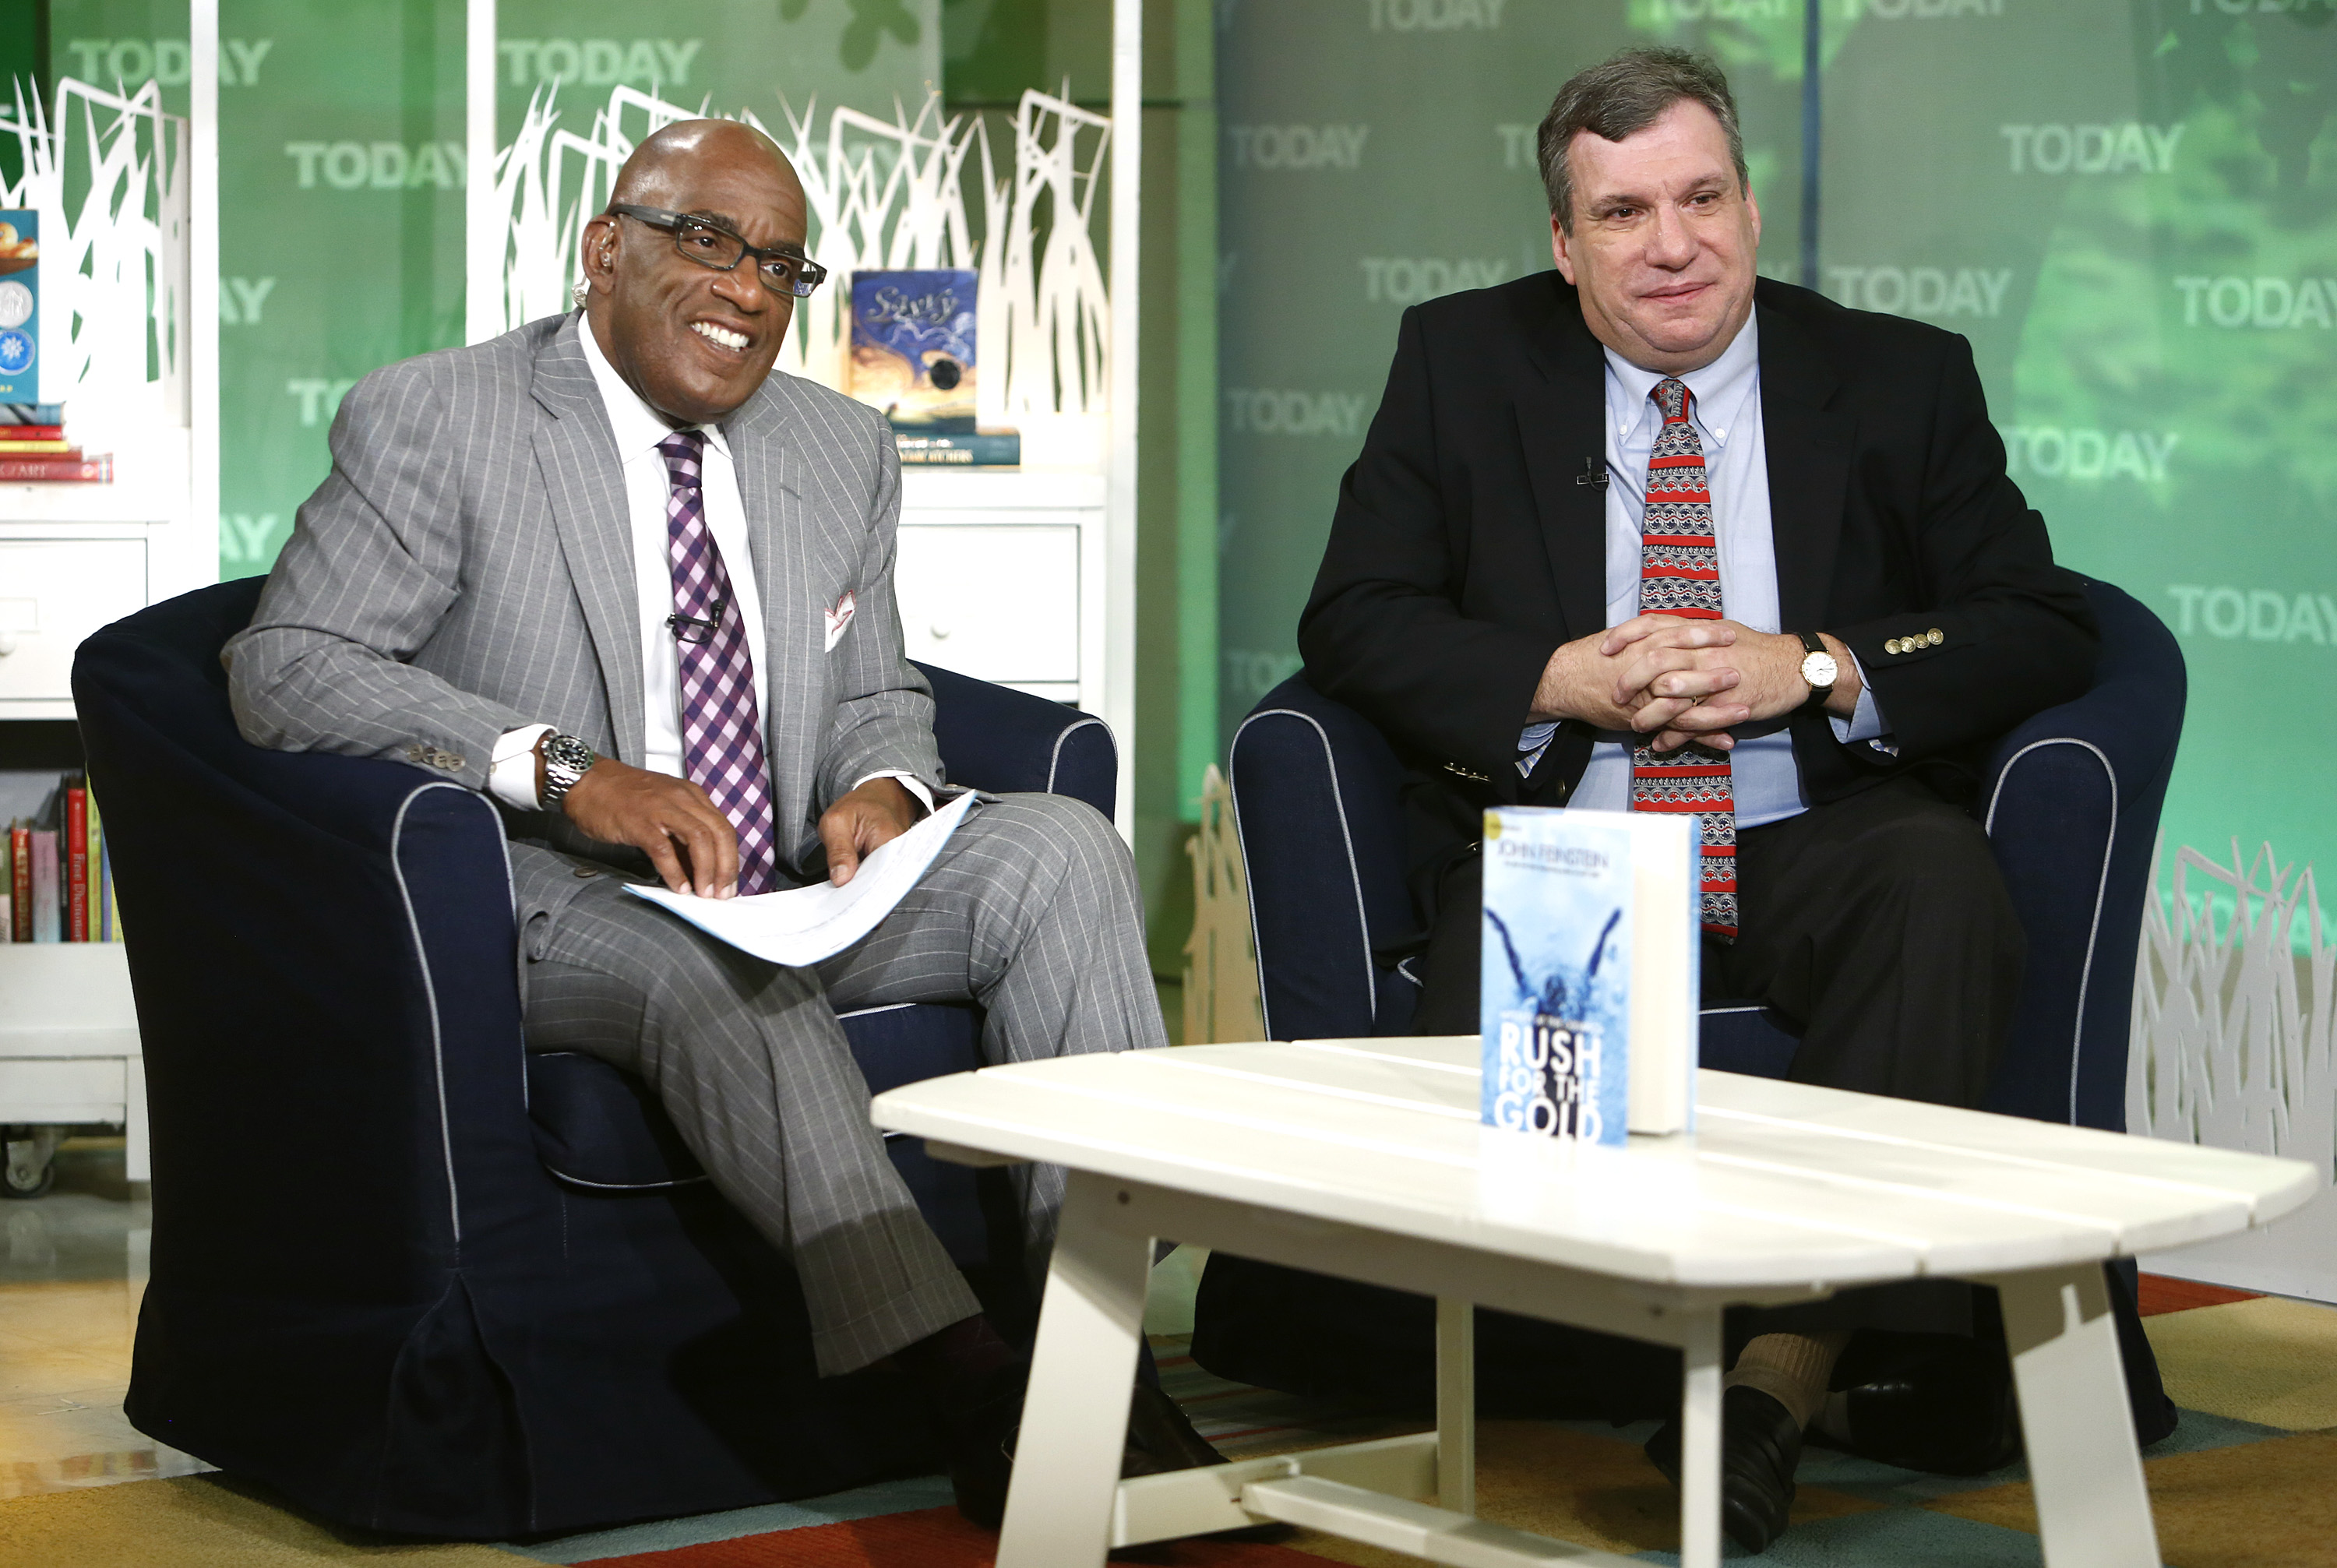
x: 114, y: 325
x: 880, y: 194
x: 2227, y: 1049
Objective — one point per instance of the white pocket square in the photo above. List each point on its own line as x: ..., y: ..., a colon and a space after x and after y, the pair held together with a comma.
x: 839, y: 618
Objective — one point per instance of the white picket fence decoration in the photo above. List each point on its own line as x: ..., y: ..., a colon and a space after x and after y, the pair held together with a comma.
x: 2230, y: 1045
x: 107, y: 171
x: 880, y: 194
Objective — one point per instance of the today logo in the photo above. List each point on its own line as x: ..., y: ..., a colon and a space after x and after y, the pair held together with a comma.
x: 248, y: 538
x: 1519, y: 149
x: 2264, y: 303
x: 1435, y: 16
x: 599, y: 62
x: 2243, y: 8
x: 242, y: 298
x: 1251, y: 673
x: 2258, y: 614
x: 169, y: 61
x: 1265, y: 411
x: 1921, y: 290
x: 1407, y: 279
x: 379, y: 165
x: 2053, y: 453
x: 1919, y: 10
x: 1717, y: 10
x: 320, y: 398
x: 2125, y: 147
x: 1298, y: 146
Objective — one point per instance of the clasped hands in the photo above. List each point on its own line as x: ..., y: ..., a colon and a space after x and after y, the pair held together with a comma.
x: 693, y: 845
x: 1683, y: 681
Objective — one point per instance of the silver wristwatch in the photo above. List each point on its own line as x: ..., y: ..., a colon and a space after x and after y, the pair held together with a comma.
x: 565, y: 760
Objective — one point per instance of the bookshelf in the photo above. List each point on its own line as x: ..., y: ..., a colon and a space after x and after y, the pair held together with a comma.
x: 74, y: 557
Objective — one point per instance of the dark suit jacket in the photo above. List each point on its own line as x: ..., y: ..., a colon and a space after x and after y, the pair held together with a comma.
x: 1463, y: 551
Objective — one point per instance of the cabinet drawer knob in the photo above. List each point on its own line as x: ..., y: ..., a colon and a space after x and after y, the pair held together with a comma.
x: 940, y: 631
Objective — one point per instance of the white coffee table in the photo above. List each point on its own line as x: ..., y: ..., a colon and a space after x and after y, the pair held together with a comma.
x: 1365, y: 1159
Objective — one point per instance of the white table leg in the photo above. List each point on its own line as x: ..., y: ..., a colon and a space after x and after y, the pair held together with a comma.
x: 1456, y: 1404
x: 138, y: 1156
x: 1075, y: 1417
x: 2093, y: 1506
x: 1700, y: 1442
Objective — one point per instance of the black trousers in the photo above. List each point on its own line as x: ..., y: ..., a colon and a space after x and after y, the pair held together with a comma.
x: 1878, y: 927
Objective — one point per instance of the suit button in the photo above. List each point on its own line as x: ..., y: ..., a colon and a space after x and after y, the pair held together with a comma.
x: 1891, y: 646
x: 586, y: 871
x: 1935, y: 637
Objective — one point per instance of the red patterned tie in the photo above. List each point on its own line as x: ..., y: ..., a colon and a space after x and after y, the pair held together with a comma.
x: 1679, y: 574
x: 722, y: 732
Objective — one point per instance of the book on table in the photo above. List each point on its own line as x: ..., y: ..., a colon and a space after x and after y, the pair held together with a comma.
x: 1589, y: 973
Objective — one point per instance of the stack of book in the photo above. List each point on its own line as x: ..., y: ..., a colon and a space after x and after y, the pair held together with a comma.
x: 58, y: 884
x: 33, y: 447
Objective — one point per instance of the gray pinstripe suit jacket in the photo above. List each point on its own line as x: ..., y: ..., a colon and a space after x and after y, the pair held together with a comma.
x: 467, y: 568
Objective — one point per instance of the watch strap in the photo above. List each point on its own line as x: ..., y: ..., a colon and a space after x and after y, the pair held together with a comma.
x: 1813, y: 644
x: 566, y: 759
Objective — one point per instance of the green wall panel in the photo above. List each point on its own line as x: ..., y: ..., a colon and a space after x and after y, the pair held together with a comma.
x: 2129, y: 206
x: 342, y: 168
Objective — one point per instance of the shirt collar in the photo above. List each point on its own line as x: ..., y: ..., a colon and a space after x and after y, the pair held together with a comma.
x: 1718, y: 391
x: 638, y: 426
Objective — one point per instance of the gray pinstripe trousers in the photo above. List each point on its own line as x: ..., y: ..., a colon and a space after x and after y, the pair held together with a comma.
x: 1030, y: 909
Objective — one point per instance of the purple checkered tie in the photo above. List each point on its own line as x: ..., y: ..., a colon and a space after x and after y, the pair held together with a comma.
x: 722, y: 732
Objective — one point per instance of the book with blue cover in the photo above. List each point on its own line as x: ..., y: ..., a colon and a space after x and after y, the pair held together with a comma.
x: 20, y: 307
x: 913, y: 349
x: 1590, y: 960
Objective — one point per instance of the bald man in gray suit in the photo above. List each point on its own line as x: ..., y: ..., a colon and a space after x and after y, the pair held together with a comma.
x: 611, y: 571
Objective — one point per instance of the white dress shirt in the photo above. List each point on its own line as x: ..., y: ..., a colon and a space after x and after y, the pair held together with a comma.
x: 1725, y: 407
x: 648, y: 483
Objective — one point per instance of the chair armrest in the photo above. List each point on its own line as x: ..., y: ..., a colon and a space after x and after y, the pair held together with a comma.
x: 325, y: 964
x: 1006, y: 741
x: 1317, y: 803
x: 2070, y: 800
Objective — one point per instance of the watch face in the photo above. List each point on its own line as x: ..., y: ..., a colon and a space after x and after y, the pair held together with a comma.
x: 1819, y: 670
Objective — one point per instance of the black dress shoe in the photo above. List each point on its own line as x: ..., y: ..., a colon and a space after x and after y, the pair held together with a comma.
x: 1936, y: 1402
x: 981, y: 1451
x: 1760, y: 1444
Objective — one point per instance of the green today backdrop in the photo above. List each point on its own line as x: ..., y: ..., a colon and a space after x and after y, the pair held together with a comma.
x: 2129, y: 206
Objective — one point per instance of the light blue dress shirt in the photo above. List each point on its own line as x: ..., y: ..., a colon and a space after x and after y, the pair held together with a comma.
x: 1725, y: 407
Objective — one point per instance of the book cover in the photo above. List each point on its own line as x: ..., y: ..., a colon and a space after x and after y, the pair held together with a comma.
x: 71, y: 470
x: 97, y: 889
x: 913, y: 349
x: 75, y: 851
x: 1589, y: 973
x: 12, y: 431
x: 20, y: 307
x: 980, y: 450
x: 20, y: 884
x: 31, y: 447
x: 48, y: 909
x: 49, y: 417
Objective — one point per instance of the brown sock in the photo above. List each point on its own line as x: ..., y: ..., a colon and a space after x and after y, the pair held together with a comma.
x: 1791, y: 1368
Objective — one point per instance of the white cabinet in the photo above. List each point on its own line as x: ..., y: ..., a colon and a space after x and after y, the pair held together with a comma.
x: 52, y: 593
x: 1000, y: 576
x: 68, y: 1041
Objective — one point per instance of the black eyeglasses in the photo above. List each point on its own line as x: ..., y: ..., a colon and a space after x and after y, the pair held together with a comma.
x: 709, y: 244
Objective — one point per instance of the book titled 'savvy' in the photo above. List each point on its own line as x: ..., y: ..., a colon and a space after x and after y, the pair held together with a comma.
x: 913, y: 349
x: 1590, y: 967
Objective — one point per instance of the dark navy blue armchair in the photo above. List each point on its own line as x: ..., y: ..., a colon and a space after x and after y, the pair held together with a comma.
x: 2070, y: 801
x: 405, y: 1272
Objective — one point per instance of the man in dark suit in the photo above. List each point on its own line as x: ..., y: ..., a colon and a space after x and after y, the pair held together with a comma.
x: 1651, y: 533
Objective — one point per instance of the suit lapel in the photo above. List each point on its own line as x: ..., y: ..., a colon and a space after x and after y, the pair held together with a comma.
x: 770, y: 488
x: 1809, y: 451
x: 1561, y: 410
x: 576, y: 452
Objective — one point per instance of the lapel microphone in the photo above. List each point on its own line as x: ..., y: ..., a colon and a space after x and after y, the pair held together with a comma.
x: 1594, y: 473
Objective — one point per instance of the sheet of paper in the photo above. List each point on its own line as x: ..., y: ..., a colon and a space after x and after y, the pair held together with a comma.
x: 805, y: 925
